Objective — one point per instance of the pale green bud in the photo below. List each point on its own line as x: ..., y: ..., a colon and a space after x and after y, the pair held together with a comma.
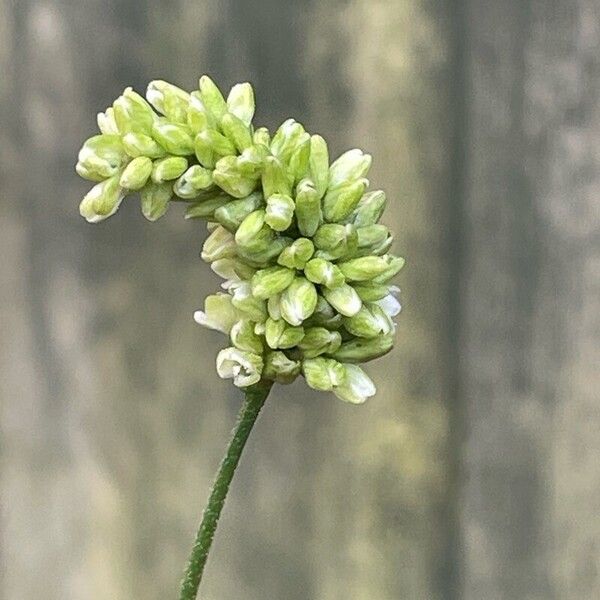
x: 219, y: 313
x: 136, y: 173
x: 133, y: 113
x: 220, y: 144
x: 308, y: 208
x: 324, y: 316
x: 100, y: 157
x: 106, y: 122
x: 344, y: 299
x: 271, y: 281
x: 298, y: 166
x: 169, y: 168
x: 140, y: 144
x: 370, y: 208
x: 199, y: 117
x: 395, y: 264
x: 274, y: 307
x: 204, y: 151
x: 334, y: 240
x: 319, y: 164
x: 364, y: 268
x: 280, y: 368
x: 278, y: 334
x: 318, y: 340
x: 243, y: 337
x: 169, y: 100
x: 323, y: 374
x: 261, y: 136
x: 240, y: 102
x: 351, y: 165
x: 298, y: 301
x: 229, y: 178
x: 341, y: 201
x: 237, y: 131
x: 245, y: 368
x: 279, y: 212
x: 102, y: 200
x: 212, y: 97
x: 175, y: 138
x: 323, y: 272
x: 253, y: 232
x: 372, y: 236
x: 192, y: 182
x: 361, y: 350
x: 233, y: 213
x: 219, y: 244
x: 287, y: 139
x: 370, y: 321
x: 232, y: 270
x: 274, y: 178
x: 266, y: 250
x: 206, y: 208
x: 357, y: 386
x: 155, y: 199
x: 243, y: 299
x: 370, y: 292
x: 250, y: 161
x: 297, y: 254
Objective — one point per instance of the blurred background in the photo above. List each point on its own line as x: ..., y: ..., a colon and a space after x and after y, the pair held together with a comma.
x: 475, y: 471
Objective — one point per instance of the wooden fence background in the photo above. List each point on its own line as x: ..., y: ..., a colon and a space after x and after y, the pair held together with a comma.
x: 474, y: 473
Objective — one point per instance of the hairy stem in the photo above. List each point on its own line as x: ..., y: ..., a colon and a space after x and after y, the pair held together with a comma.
x: 255, y: 397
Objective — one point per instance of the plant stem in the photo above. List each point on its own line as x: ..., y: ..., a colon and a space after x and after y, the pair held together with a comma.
x: 255, y: 397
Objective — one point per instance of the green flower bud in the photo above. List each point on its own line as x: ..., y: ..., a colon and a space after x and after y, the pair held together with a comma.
x: 344, y: 299
x: 133, y: 113
x: 287, y: 139
x: 370, y: 292
x: 176, y: 139
x: 240, y: 102
x: 206, y: 208
x: 219, y: 244
x: 360, y: 350
x: 357, y: 386
x: 279, y: 212
x: 274, y: 307
x: 318, y: 340
x: 102, y: 200
x: 229, y: 178
x: 323, y: 272
x: 233, y: 213
x: 219, y: 313
x: 341, y: 201
x: 169, y: 168
x: 232, y: 269
x: 372, y: 236
x: 243, y: 337
x: 100, y: 157
x: 169, y: 100
x: 335, y: 241
x: 324, y: 316
x: 298, y: 301
x: 370, y: 208
x: 266, y: 250
x: 323, y: 374
x: 364, y: 268
x: 140, y: 144
x: 395, y: 264
x: 250, y: 161
x: 245, y: 368
x: 370, y: 321
x: 253, y: 233
x: 220, y: 144
x: 298, y: 166
x: 155, y: 199
x: 271, y: 281
x: 278, y: 334
x: 192, y: 182
x: 308, y: 208
x: 261, y: 136
x: 136, y: 173
x: 297, y: 254
x: 243, y: 299
x: 280, y: 368
x: 106, y: 122
x: 204, y: 151
x: 237, y: 131
x: 319, y: 164
x: 274, y: 178
x: 350, y: 166
x: 212, y: 97
x: 199, y: 117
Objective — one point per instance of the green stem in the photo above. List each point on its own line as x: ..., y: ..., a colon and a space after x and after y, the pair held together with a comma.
x: 253, y: 402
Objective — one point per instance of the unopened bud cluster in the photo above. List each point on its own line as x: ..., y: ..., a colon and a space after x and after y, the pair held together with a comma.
x: 297, y: 240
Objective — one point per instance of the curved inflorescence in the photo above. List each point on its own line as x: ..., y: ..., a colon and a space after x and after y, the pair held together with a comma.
x: 298, y: 241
